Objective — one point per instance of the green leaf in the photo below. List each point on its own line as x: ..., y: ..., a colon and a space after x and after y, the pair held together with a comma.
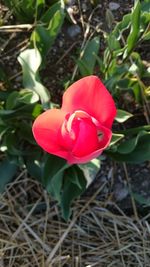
x: 116, y: 138
x: 26, y: 10
x: 145, y: 6
x: 56, y: 23
x: 145, y: 18
x: 37, y: 109
x: 27, y: 96
x: 136, y: 59
x: 71, y: 190
x: 146, y: 36
x: 30, y: 61
x: 34, y: 166
x: 109, y: 18
x: 87, y: 62
x: 12, y: 144
x: 4, y: 95
x: 113, y: 43
x: 12, y: 100
x: 4, y: 78
x: 4, y: 127
x: 122, y: 26
x: 140, y: 154
x: 135, y: 28
x: 90, y: 169
x: 100, y: 63
x: 74, y: 178
x: 7, y: 172
x: 136, y: 130
x: 140, y: 199
x: 107, y: 57
x: 116, y: 71
x: 84, y: 69
x: 8, y: 114
x: 124, y: 84
x: 44, y: 36
x: 128, y: 146
x: 122, y: 115
x: 26, y: 111
x: 25, y: 131
x: 137, y: 92
x: 48, y: 15
x: 53, y: 172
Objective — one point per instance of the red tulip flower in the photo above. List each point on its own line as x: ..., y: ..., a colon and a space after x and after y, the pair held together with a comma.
x: 81, y: 129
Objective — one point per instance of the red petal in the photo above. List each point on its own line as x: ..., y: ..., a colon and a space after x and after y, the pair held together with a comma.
x: 102, y: 145
x: 90, y: 95
x: 45, y: 130
x: 87, y: 140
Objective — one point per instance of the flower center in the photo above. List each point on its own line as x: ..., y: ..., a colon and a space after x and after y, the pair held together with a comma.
x: 71, y: 127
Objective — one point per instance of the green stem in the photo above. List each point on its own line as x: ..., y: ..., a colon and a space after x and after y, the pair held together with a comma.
x: 135, y: 130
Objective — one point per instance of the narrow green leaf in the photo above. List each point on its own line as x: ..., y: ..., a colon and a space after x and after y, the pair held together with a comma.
x: 74, y: 178
x: 44, y: 36
x: 4, y: 95
x: 128, y: 146
x: 34, y: 166
x: 141, y: 199
x: 3, y: 129
x: 137, y: 92
x: 88, y: 58
x: 140, y: 154
x: 109, y: 18
x: 28, y: 96
x: 26, y: 10
x: 116, y: 138
x: 36, y: 111
x: 122, y: 115
x: 4, y: 113
x: 26, y: 111
x: 12, y: 100
x: 146, y: 36
x: 124, y: 84
x: 25, y: 96
x: 71, y: 190
x: 135, y: 28
x: 90, y: 169
x: 84, y: 69
x: 30, y: 61
x: 48, y: 15
x: 122, y: 26
x: 113, y: 43
x: 7, y: 172
x: 12, y: 144
x: 25, y: 131
x: 53, y: 172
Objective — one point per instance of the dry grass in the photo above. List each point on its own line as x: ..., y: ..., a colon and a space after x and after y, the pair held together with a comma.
x: 33, y: 234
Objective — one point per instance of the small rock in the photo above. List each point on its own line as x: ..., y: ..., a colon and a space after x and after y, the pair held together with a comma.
x: 60, y: 70
x: 84, y: 7
x: 120, y: 192
x: 113, y: 6
x: 61, y: 43
x: 18, y: 79
x: 74, y: 30
x: 70, y: 2
x: 110, y: 173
